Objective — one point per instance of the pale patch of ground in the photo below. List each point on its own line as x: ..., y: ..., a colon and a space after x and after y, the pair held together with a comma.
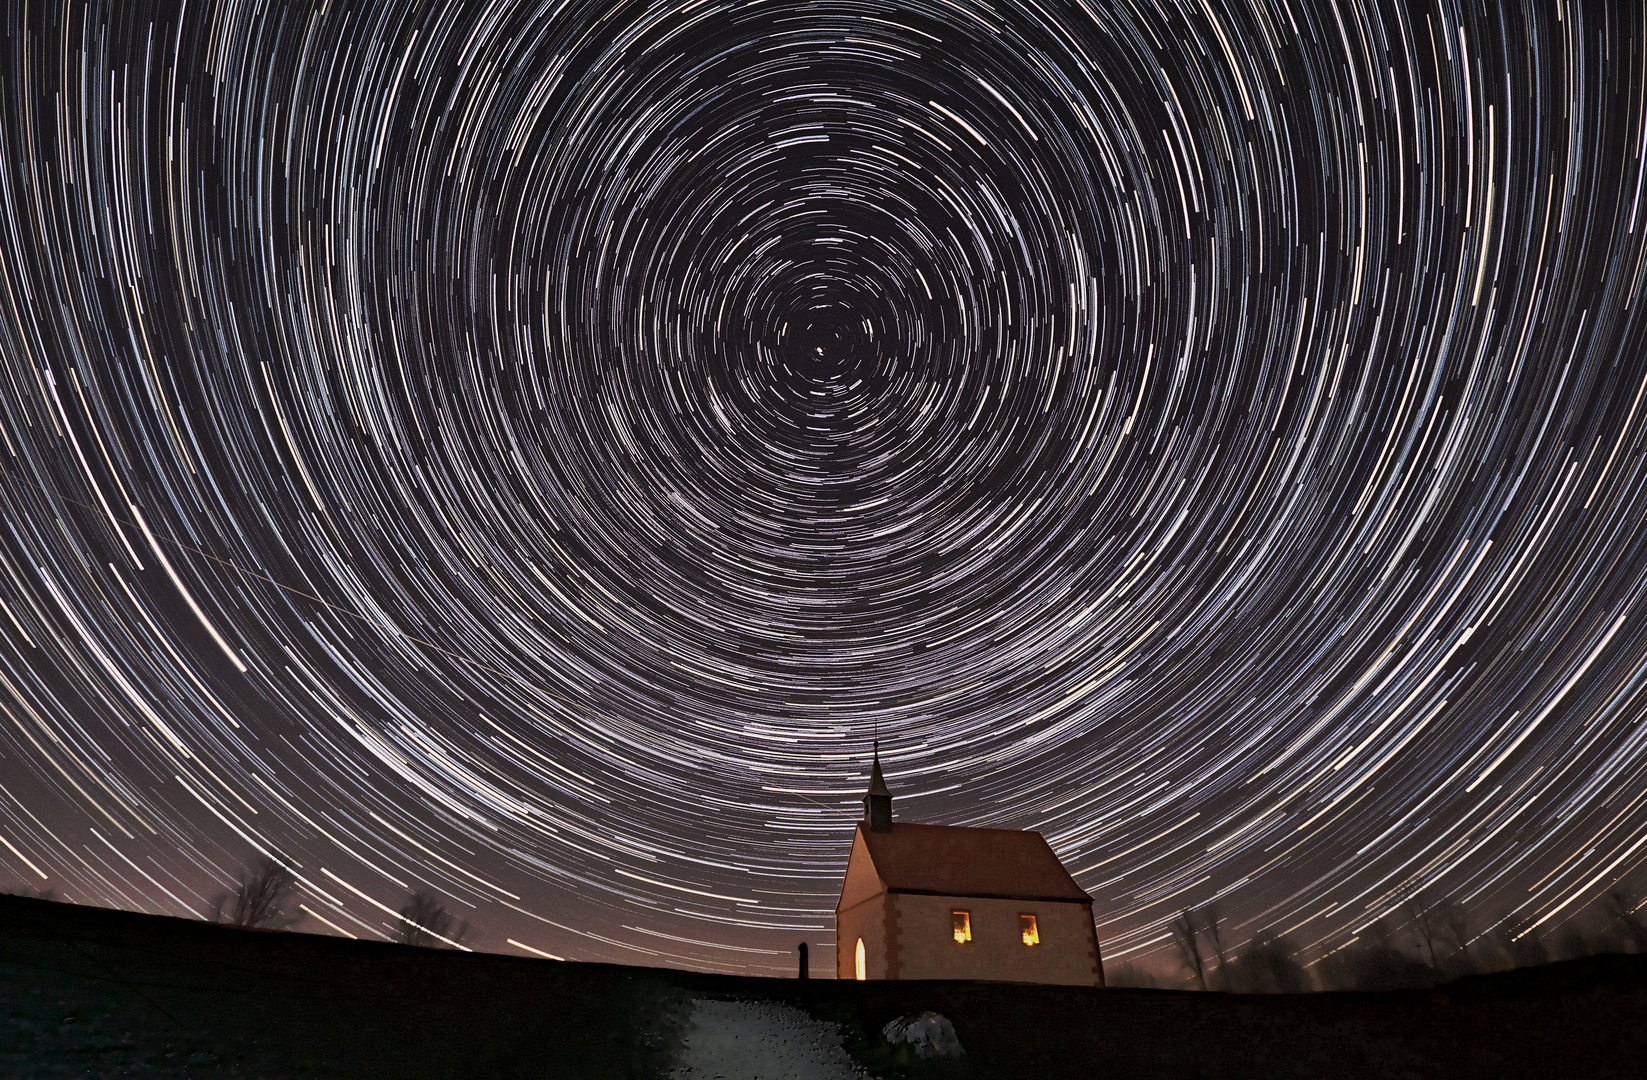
x: 760, y: 1040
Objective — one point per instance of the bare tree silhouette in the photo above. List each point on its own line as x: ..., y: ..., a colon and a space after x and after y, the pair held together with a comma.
x: 258, y: 898
x: 1520, y: 950
x: 1266, y: 966
x: 425, y: 921
x: 1578, y: 937
x: 1424, y: 927
x: 1132, y: 975
x: 1623, y: 910
x: 1453, y: 921
x: 1186, y: 935
x: 1376, y: 962
x: 1210, y: 918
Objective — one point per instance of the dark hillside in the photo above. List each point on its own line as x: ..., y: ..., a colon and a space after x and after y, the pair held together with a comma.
x: 1582, y: 1018
x: 89, y: 993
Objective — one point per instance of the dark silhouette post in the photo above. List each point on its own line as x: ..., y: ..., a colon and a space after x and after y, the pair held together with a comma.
x: 804, y: 973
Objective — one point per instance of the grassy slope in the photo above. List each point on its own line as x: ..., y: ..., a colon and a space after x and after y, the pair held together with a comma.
x: 87, y: 992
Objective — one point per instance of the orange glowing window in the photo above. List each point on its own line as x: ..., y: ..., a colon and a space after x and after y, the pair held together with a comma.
x: 859, y: 964
x: 1028, y: 930
x: 961, y: 921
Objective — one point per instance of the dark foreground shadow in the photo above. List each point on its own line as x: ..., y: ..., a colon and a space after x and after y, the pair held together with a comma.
x: 86, y: 992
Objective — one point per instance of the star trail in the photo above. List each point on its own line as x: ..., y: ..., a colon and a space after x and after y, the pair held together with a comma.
x: 526, y: 451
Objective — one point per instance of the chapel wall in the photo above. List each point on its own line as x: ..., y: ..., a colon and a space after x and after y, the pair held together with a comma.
x: 867, y: 920
x: 927, y: 948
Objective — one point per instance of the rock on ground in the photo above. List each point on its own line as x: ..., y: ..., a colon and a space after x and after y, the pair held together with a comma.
x: 931, y: 1034
x: 760, y: 1040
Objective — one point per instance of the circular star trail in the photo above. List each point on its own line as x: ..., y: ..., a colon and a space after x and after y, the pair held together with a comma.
x: 526, y: 452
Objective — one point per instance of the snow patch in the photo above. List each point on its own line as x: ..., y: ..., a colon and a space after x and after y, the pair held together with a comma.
x: 761, y: 1040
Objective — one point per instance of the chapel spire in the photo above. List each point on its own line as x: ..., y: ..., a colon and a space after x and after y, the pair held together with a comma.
x: 877, y: 800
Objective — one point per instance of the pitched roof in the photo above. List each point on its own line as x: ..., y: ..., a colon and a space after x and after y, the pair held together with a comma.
x: 950, y: 860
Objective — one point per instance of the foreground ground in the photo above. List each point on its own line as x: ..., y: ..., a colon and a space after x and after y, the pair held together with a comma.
x: 92, y: 993
x: 768, y: 1040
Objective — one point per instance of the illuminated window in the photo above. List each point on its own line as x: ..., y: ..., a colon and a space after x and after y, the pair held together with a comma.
x: 961, y: 921
x: 861, y: 966
x: 1028, y: 930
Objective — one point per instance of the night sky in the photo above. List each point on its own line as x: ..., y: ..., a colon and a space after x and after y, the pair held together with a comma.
x: 528, y: 451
